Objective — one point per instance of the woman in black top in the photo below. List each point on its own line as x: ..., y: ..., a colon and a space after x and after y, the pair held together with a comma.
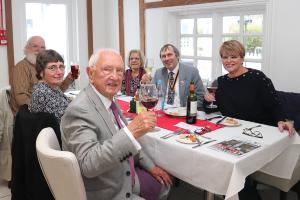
x: 246, y: 93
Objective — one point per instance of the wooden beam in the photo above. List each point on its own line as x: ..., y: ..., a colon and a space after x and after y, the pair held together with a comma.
x: 10, y: 42
x: 142, y: 26
x: 121, y: 28
x: 89, y: 13
x: 170, y: 3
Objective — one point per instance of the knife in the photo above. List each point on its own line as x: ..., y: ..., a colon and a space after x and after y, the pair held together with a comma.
x: 198, y: 145
x: 219, y: 121
x: 215, y: 117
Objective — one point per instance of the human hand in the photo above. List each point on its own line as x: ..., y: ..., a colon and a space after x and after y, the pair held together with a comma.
x: 146, y: 78
x: 161, y: 175
x: 288, y: 125
x: 142, y: 123
x: 209, y: 97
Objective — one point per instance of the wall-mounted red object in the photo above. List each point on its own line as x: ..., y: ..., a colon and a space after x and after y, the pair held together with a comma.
x: 3, y: 37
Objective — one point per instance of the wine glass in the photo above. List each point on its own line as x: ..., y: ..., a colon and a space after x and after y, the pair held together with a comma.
x: 211, y: 89
x: 148, y: 95
x: 75, y: 72
x: 149, y: 66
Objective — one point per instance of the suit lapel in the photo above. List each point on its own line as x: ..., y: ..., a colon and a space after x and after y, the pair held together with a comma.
x: 100, y: 108
x: 182, y: 83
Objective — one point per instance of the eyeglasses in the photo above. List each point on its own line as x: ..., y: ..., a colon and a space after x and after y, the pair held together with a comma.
x: 110, y: 71
x: 249, y: 132
x: 133, y: 58
x: 54, y: 68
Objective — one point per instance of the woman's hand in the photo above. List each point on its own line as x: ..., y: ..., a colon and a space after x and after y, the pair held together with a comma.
x: 286, y: 126
x: 209, y: 97
x: 146, y: 79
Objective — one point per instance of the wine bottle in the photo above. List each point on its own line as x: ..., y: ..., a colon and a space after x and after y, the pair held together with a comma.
x: 191, y: 110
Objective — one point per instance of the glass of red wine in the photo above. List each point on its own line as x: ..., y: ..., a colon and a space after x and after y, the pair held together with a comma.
x: 212, y: 89
x: 149, y: 95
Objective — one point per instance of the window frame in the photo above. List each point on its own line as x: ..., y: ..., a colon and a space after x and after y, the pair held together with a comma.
x: 216, y: 12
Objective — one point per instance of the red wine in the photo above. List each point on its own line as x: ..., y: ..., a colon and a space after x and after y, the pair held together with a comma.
x: 150, y: 103
x: 75, y: 71
x: 212, y: 89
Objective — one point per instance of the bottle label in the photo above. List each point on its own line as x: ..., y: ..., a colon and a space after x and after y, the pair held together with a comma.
x: 193, y: 111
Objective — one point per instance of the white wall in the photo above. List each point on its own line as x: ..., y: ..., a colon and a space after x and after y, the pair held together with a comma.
x: 285, y: 52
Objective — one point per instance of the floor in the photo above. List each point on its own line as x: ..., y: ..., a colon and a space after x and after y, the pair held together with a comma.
x: 185, y: 192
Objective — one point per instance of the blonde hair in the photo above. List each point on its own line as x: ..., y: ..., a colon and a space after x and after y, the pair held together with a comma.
x: 141, y: 55
x: 232, y: 47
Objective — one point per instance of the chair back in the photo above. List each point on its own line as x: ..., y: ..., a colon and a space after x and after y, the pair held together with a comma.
x: 60, y: 168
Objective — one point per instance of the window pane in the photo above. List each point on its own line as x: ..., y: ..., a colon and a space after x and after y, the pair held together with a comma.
x: 231, y: 24
x: 40, y: 20
x: 253, y: 47
x: 253, y: 23
x: 187, y: 46
x: 187, y: 26
x: 253, y: 65
x: 204, y: 46
x: 204, y: 25
x: 204, y: 67
x: 231, y: 38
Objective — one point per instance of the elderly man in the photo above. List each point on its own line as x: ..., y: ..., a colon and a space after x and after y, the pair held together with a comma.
x: 112, y: 163
x: 175, y: 78
x: 24, y: 74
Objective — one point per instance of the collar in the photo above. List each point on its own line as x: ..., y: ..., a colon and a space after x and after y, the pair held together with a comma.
x: 106, y: 102
x: 175, y: 70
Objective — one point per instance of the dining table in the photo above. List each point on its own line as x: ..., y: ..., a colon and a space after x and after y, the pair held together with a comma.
x: 218, y: 170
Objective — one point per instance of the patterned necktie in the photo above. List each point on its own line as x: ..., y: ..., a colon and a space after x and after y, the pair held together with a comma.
x: 114, y: 109
x: 171, y: 92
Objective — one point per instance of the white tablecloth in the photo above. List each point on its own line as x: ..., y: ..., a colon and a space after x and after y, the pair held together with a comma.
x: 218, y: 172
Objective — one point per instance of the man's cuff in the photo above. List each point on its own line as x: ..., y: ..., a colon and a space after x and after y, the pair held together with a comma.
x: 134, y: 141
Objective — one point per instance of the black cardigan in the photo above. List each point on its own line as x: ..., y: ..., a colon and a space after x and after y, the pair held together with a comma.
x: 28, y: 182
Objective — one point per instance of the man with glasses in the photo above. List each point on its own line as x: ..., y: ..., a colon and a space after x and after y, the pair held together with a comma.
x: 112, y: 163
x: 24, y: 74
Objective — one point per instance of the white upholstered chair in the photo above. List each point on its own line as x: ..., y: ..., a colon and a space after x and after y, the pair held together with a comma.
x: 60, y: 168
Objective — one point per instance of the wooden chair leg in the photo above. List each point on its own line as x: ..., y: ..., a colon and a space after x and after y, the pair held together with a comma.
x: 283, y: 195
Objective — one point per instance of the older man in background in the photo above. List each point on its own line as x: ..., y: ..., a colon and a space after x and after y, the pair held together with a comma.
x: 24, y: 74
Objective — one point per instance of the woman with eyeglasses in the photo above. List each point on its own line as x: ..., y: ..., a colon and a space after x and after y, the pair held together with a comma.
x: 133, y: 75
x: 246, y: 93
x: 47, y: 95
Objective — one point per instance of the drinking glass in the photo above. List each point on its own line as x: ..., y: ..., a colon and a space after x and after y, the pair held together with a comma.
x: 75, y: 72
x: 211, y: 89
x: 148, y: 95
x: 149, y: 66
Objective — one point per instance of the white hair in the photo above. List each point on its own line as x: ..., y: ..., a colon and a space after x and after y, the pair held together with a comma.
x: 95, y: 57
x: 29, y: 41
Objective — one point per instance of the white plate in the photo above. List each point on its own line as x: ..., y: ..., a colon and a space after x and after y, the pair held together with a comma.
x: 178, y: 112
x: 182, y: 138
x: 231, y: 122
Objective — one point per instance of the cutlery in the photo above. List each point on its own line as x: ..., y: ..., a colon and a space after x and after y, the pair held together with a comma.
x: 215, y: 117
x: 203, y: 143
x: 177, y: 132
x: 219, y: 121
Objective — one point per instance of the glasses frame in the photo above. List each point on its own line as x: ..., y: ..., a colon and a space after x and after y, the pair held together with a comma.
x: 249, y: 132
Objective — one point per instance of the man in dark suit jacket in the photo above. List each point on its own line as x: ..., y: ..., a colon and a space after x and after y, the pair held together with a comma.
x: 103, y: 145
x: 183, y: 74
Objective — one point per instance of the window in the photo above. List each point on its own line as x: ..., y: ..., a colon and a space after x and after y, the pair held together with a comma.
x: 201, y: 37
x: 52, y: 27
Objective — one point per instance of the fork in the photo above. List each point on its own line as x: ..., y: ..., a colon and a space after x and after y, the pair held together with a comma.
x: 176, y: 132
